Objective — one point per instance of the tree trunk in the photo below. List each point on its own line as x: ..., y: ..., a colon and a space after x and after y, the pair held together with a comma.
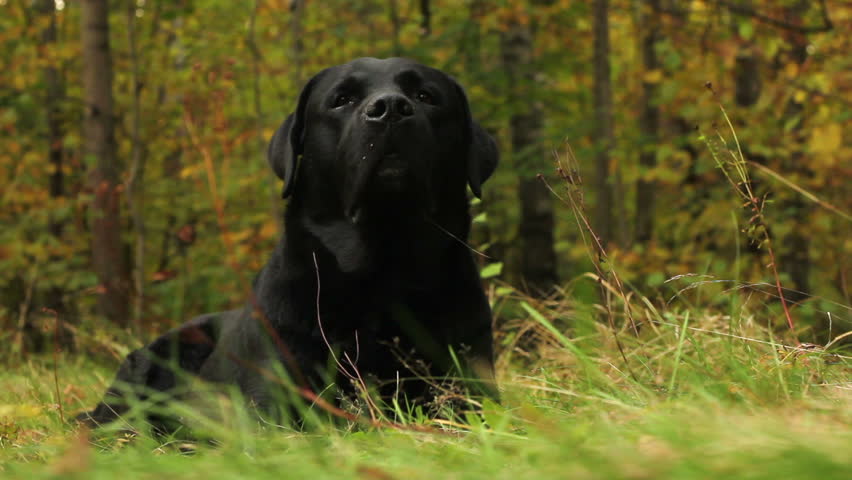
x: 396, y: 26
x: 136, y: 178
x: 173, y: 163
x: 538, y: 258
x: 747, y: 85
x: 747, y: 90
x: 297, y: 46
x: 53, y: 99
x: 54, y: 93
x: 648, y: 124
x: 603, y: 213
x: 425, y: 18
x: 99, y: 145
x: 794, y: 257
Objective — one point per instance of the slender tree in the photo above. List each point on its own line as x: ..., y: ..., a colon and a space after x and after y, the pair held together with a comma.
x: 425, y: 18
x: 538, y: 258
x: 108, y: 258
x: 52, y: 102
x: 604, y: 138
x: 795, y: 258
x: 396, y: 26
x: 297, y: 45
x: 54, y: 92
x: 173, y: 162
x: 136, y: 180
x: 649, y: 121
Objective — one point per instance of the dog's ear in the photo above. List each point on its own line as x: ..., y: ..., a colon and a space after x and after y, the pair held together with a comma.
x: 481, y: 158
x: 482, y: 154
x: 287, y: 144
x: 282, y: 152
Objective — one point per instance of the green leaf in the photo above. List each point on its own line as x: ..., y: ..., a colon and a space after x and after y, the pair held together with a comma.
x: 491, y: 270
x: 503, y: 291
x: 656, y: 279
x: 746, y: 30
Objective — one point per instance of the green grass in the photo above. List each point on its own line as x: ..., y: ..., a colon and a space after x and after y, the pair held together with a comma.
x: 694, y: 402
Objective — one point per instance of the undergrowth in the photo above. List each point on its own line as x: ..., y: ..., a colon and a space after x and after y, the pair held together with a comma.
x: 711, y: 396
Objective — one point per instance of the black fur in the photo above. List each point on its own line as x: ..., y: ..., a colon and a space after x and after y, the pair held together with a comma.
x: 376, y: 160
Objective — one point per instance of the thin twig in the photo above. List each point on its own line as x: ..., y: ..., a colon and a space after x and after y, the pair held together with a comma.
x: 323, y: 404
x: 56, y: 347
x: 439, y: 227
x: 743, y: 187
x: 580, y: 216
x: 810, y: 196
x: 340, y: 366
x: 355, y: 374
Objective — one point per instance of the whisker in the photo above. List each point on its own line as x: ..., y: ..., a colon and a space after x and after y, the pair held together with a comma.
x: 458, y: 239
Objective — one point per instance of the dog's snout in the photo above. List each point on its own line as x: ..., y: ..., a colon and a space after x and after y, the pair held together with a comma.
x: 389, y: 108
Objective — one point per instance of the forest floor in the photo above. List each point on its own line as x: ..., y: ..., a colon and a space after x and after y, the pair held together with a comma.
x: 700, y: 395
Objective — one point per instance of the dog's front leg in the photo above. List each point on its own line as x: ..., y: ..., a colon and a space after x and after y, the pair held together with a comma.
x: 156, y: 367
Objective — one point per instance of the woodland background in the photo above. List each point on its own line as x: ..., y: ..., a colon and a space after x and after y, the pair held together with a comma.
x: 134, y: 188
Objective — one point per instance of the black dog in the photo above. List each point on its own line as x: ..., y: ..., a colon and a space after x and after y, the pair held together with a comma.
x: 373, y: 267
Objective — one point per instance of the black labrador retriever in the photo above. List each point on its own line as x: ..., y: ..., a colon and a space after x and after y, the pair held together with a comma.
x: 373, y: 270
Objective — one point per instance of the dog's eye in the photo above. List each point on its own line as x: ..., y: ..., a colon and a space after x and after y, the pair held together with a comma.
x: 425, y: 97
x: 342, y: 99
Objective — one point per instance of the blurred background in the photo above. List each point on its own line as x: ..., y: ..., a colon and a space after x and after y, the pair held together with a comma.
x: 134, y: 188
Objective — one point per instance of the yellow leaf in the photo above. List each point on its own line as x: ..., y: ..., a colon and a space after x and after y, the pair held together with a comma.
x: 188, y: 171
x: 826, y: 139
x: 800, y: 96
x: 20, y: 411
x: 653, y: 76
x: 241, y: 235
x: 20, y: 82
x: 268, y: 230
x: 821, y: 80
x: 791, y: 70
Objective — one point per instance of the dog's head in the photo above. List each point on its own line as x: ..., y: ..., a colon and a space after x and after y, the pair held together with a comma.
x: 376, y: 133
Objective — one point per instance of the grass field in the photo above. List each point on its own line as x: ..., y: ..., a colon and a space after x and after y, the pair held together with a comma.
x: 711, y: 383
x: 702, y: 395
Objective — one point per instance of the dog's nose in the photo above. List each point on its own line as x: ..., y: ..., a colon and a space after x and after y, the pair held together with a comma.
x: 389, y: 108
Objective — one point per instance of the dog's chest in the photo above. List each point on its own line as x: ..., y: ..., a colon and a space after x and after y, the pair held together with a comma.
x: 380, y: 324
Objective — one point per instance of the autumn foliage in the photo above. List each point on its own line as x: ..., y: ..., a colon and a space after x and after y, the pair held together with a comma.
x: 199, y: 86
